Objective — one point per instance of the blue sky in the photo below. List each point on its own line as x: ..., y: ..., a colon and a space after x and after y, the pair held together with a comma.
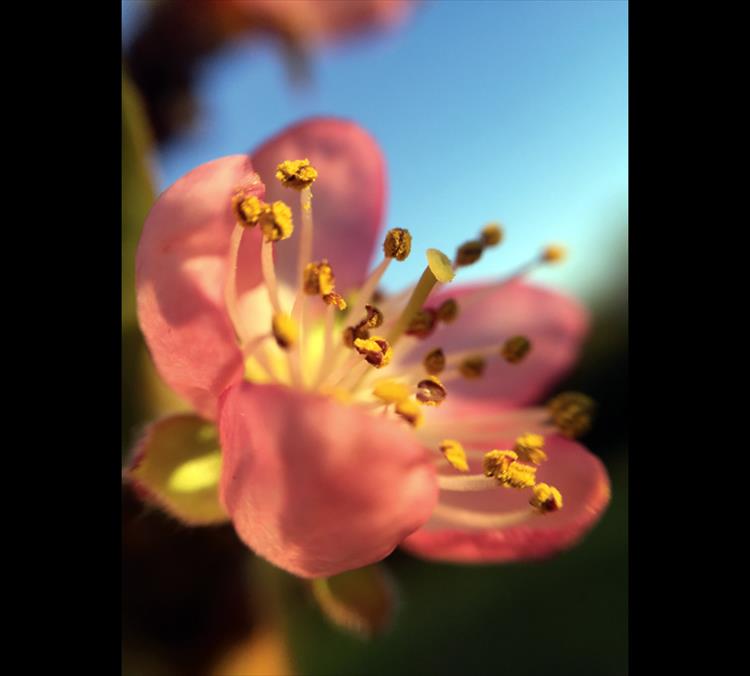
x: 510, y: 111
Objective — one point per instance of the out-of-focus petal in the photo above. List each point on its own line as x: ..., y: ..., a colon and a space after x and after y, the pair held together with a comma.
x: 177, y: 465
x: 181, y: 270
x: 318, y: 487
x: 348, y: 195
x: 580, y: 477
x: 488, y: 315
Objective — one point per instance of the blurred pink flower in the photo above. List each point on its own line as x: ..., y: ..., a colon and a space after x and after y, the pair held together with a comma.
x: 320, y: 471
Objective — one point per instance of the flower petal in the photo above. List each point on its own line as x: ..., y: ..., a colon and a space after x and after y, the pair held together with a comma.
x: 181, y: 269
x: 580, y: 477
x: 177, y: 465
x: 348, y: 195
x: 488, y: 315
x: 318, y: 487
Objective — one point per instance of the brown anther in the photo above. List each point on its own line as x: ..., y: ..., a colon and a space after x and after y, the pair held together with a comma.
x: 352, y: 333
x: 377, y: 351
x: 469, y: 252
x: 546, y: 498
x: 431, y: 392
x: 571, y: 413
x: 447, y: 311
x: 336, y: 299
x: 472, y: 367
x: 423, y: 323
x: 318, y: 278
x: 397, y: 244
x: 492, y: 234
x: 434, y: 361
x: 374, y: 317
x: 515, y: 349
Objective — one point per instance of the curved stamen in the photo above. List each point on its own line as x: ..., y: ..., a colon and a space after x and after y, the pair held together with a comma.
x: 473, y: 482
x: 481, y: 520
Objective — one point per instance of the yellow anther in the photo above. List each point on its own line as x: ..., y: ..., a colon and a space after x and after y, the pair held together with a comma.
x: 422, y: 323
x: 410, y: 411
x: 431, y: 392
x: 469, y: 252
x: 377, y: 351
x: 472, y: 367
x: 391, y: 391
x: 454, y: 453
x: 434, y: 361
x: 336, y: 299
x: 447, y: 311
x: 284, y: 330
x: 276, y: 222
x: 248, y: 209
x: 546, y: 498
x: 440, y: 266
x: 351, y: 333
x: 515, y: 349
x: 572, y: 413
x: 374, y: 317
x: 554, y: 253
x: 296, y: 174
x: 517, y: 475
x: 495, y: 461
x: 492, y: 234
x: 340, y: 394
x: 530, y: 447
x: 397, y: 244
x: 318, y: 278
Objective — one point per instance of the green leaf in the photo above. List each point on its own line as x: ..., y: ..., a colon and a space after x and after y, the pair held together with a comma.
x: 177, y: 466
x: 360, y: 601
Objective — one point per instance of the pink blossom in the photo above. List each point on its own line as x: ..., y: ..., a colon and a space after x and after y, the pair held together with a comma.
x: 318, y: 474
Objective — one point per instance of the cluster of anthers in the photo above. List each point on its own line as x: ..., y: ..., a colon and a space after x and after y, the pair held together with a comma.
x: 341, y: 352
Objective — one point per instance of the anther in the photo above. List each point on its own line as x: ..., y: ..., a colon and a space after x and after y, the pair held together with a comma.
x: 377, y: 351
x: 248, y: 210
x: 504, y: 466
x: 454, y: 453
x: 397, y: 244
x: 297, y: 174
x: 530, y: 447
x: 336, y: 299
x: 472, y: 367
x: 318, y: 279
x: 391, y: 391
x: 352, y: 333
x: 447, y: 311
x: 469, y: 252
x: 546, y: 498
x: 515, y: 349
x: 276, y: 222
x: 410, y: 411
x: 571, y: 413
x: 423, y: 323
x: 495, y: 461
x: 431, y: 392
x: 434, y: 361
x: 374, y: 317
x: 553, y: 253
x: 492, y: 234
x: 284, y: 330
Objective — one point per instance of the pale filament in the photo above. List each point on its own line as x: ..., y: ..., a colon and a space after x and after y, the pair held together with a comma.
x: 480, y: 520
x: 230, y: 287
x: 472, y: 482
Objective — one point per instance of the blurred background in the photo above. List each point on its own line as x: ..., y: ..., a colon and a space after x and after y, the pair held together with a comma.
x: 521, y: 109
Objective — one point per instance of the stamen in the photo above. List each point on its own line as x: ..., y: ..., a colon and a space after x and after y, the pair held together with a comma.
x: 376, y: 350
x: 467, y: 518
x: 248, y: 209
x: 374, y: 317
x: 336, y: 299
x: 546, y: 499
x: 454, y: 453
x: 423, y: 323
x: 515, y: 349
x: 571, y: 413
x: 391, y: 391
x: 297, y: 174
x: 492, y: 234
x: 318, y: 279
x: 352, y: 333
x: 431, y: 392
x: 410, y: 411
x: 465, y: 484
x: 276, y: 222
x: 434, y: 361
x: 554, y: 253
x: 495, y: 461
x: 530, y: 447
x: 397, y: 244
x: 285, y: 330
x: 468, y: 253
x: 504, y: 466
x: 230, y: 288
x: 472, y: 367
x: 447, y: 311
x: 269, y: 275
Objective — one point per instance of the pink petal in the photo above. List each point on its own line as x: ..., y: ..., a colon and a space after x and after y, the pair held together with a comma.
x: 348, y: 195
x: 555, y: 324
x: 181, y: 268
x: 318, y: 487
x: 580, y: 477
